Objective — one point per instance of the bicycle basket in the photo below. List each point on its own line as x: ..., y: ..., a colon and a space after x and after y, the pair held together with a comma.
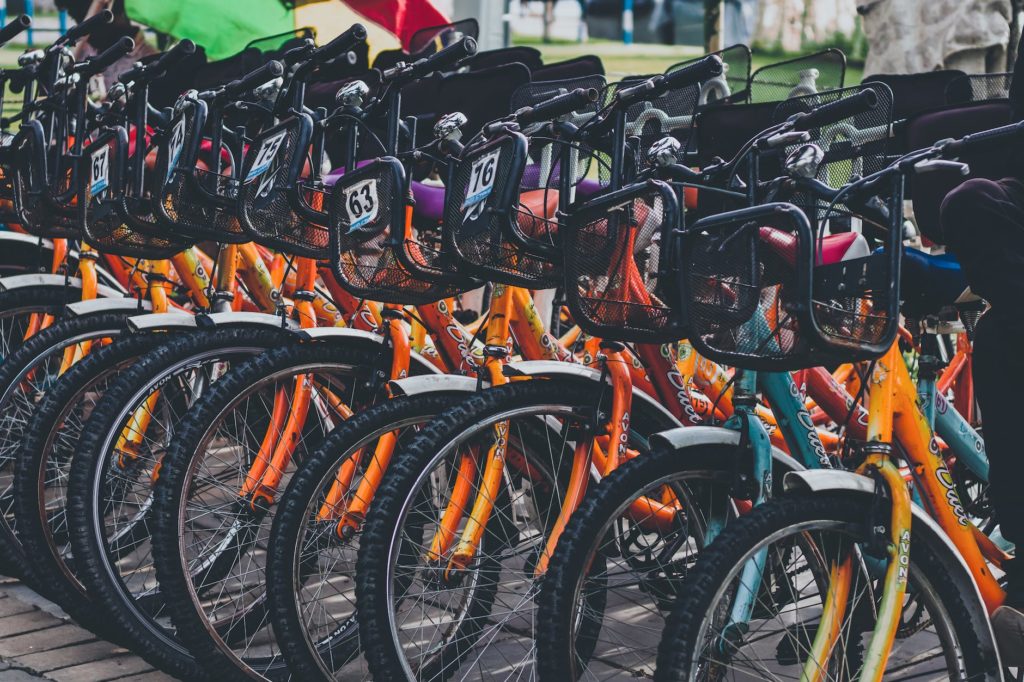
x: 614, y: 272
x: 194, y: 202
x: 855, y: 303
x: 733, y: 86
x: 275, y: 206
x: 42, y: 210
x: 746, y: 303
x: 101, y: 202
x: 978, y: 87
x: 483, y: 202
x: 370, y: 249
x: 543, y: 166
x: 805, y: 75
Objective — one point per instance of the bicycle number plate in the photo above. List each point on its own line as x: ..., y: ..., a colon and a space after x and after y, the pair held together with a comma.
x: 265, y: 155
x: 481, y: 182
x: 361, y: 203
x: 175, y: 145
x: 99, y: 175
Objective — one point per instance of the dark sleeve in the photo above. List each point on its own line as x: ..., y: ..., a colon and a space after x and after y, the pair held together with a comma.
x: 1017, y: 84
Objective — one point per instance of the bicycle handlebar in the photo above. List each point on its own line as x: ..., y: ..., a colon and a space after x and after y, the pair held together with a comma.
x: 8, y: 32
x: 97, y: 64
x: 160, y: 66
x: 343, y: 43
x: 709, y: 67
x: 976, y: 141
x: 833, y: 112
x: 81, y: 30
x: 449, y: 56
x: 267, y: 72
x: 554, y: 108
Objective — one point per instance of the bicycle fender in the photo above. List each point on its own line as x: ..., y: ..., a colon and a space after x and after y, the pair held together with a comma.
x: 556, y: 368
x: 186, y: 321
x: 328, y: 334
x: 249, y: 319
x: 52, y: 280
x: 161, y: 322
x: 684, y: 437
x: 107, y: 305
x: 431, y: 383
x: 835, y: 480
x: 21, y: 238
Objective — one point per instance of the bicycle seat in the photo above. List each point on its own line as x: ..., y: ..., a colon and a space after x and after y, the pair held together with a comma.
x: 536, y: 209
x: 930, y: 282
x: 833, y: 248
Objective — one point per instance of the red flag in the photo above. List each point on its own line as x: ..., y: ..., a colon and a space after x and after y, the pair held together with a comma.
x: 400, y: 17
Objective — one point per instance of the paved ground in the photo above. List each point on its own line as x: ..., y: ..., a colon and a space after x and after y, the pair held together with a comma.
x: 39, y: 642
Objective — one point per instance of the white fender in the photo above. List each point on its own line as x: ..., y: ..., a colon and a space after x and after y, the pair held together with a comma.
x: 252, y: 319
x: 696, y: 436
x: 430, y: 383
x: 555, y: 368
x: 50, y: 279
x: 183, y: 321
x: 37, y: 243
x: 107, y: 305
x: 836, y: 480
x: 348, y: 333
x: 7, y: 236
x: 318, y: 333
x: 161, y: 322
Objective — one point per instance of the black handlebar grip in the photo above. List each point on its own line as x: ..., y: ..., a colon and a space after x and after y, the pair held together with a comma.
x: 986, y: 139
x: 343, y: 43
x: 88, y: 26
x: 558, y: 106
x: 8, y: 32
x: 158, y: 67
x: 707, y: 68
x: 267, y: 72
x: 177, y: 54
x: 97, y: 64
x: 833, y: 112
x: 449, y: 56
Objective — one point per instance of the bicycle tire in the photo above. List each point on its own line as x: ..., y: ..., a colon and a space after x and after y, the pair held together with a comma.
x: 930, y: 562
x: 172, y: 532
x: 89, y: 480
x: 50, y: 441
x: 307, y: 658
x: 561, y: 655
x: 389, y: 506
x: 18, y: 403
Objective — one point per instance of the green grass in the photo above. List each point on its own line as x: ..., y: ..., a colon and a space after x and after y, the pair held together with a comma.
x: 621, y: 60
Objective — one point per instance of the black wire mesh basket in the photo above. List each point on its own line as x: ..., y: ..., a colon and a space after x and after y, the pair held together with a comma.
x: 733, y: 86
x: 102, y: 211
x: 44, y: 206
x: 543, y: 166
x: 491, y: 229
x: 192, y: 200
x: 808, y: 282
x: 375, y: 253
x: 617, y: 282
x: 978, y: 87
x: 797, y: 77
x: 277, y: 207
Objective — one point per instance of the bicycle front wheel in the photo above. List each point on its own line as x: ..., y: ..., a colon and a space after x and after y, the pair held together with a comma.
x: 729, y: 626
